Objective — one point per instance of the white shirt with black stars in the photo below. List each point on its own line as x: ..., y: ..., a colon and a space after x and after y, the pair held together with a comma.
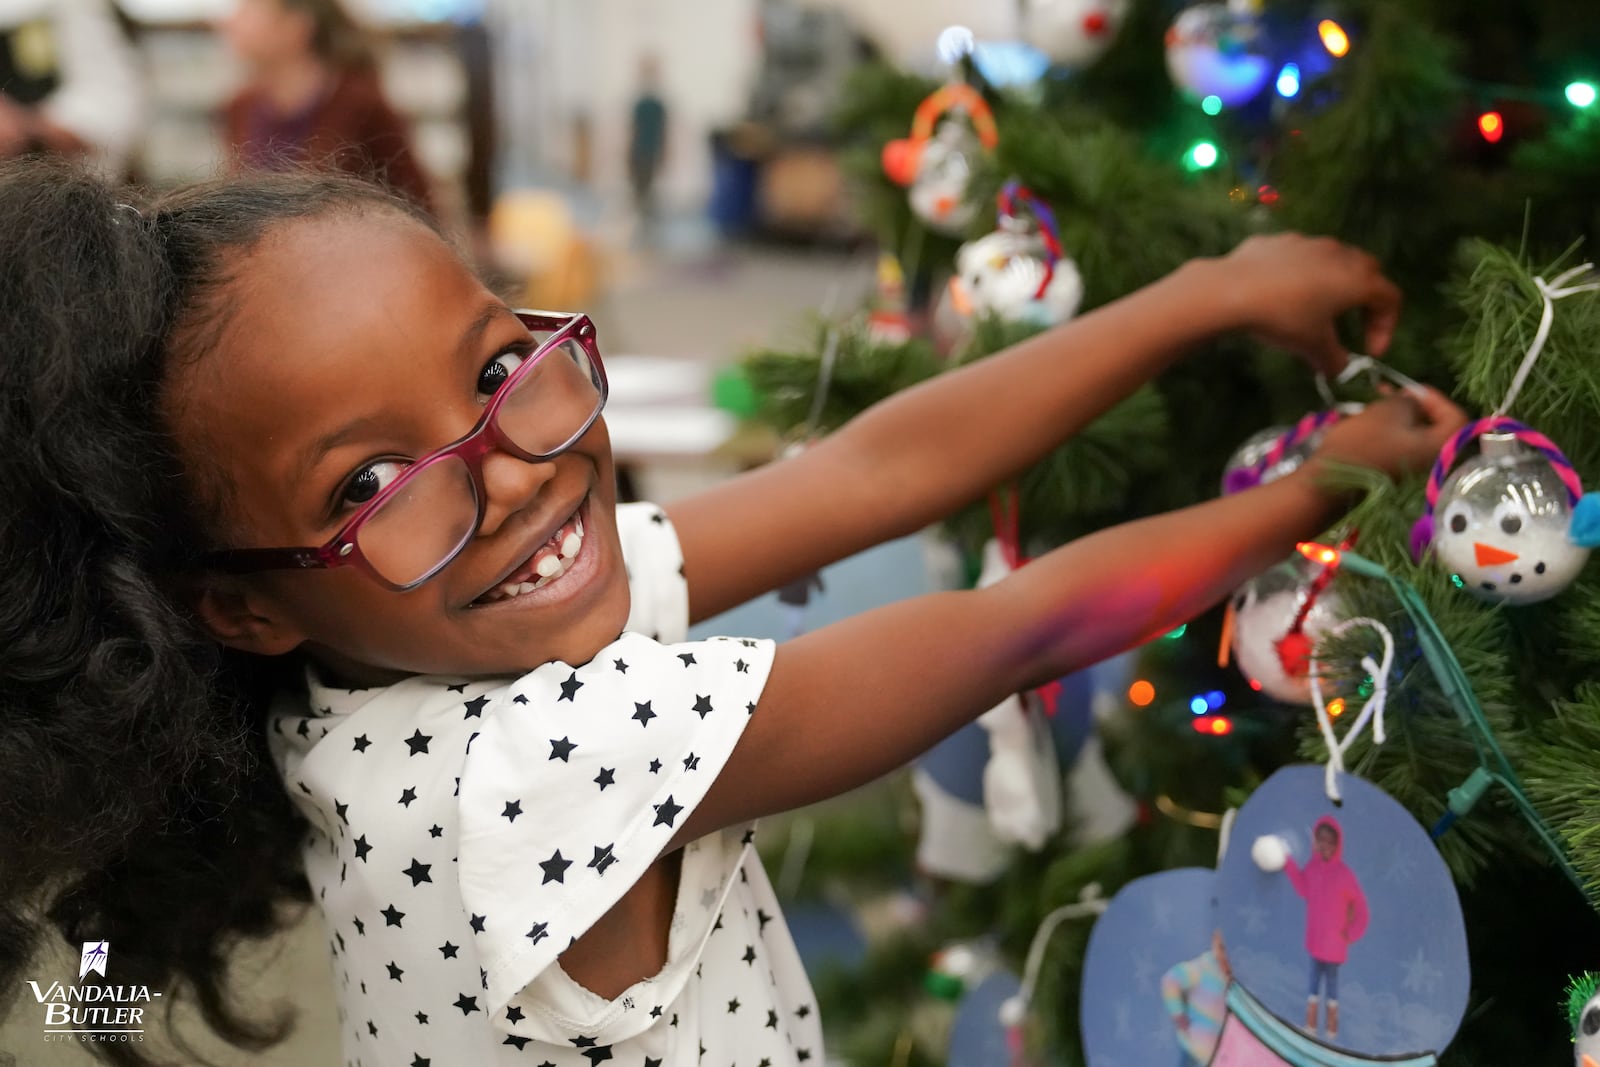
x: 464, y: 834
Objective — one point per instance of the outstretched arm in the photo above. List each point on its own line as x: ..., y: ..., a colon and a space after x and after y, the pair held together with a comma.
x: 855, y: 700
x: 927, y: 452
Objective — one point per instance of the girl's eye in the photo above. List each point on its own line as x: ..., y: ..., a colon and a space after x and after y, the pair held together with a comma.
x: 369, y: 481
x: 496, y: 372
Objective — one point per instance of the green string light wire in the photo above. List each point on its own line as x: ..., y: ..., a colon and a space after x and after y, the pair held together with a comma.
x: 1494, y: 766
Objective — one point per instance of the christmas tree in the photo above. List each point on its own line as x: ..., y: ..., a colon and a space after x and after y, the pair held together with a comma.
x: 1458, y: 141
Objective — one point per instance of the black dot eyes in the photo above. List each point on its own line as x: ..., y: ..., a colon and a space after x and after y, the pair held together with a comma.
x: 1516, y: 579
x: 1511, y: 524
x: 1489, y: 586
x: 1458, y: 524
x: 1539, y: 569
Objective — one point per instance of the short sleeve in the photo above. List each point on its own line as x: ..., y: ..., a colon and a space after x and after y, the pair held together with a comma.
x: 577, y: 781
x: 654, y: 560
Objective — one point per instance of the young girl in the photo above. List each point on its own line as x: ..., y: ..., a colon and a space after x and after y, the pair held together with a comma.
x: 237, y: 534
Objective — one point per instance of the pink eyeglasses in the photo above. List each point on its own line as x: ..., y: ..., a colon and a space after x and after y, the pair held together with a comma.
x: 421, y: 521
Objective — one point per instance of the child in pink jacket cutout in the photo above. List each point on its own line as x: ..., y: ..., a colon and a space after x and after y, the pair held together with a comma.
x: 1336, y: 916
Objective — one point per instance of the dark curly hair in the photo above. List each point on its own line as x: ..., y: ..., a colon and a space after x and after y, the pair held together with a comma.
x: 138, y: 803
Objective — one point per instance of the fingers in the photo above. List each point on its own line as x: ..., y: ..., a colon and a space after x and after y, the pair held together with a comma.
x: 1382, y: 305
x: 1441, y: 412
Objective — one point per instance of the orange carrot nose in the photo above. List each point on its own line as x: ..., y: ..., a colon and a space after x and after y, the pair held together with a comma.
x: 944, y: 206
x: 960, y: 299
x: 1490, y: 556
x: 1588, y: 1061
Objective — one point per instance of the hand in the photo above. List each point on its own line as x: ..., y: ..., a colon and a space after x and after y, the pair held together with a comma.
x: 1398, y: 435
x: 1290, y: 290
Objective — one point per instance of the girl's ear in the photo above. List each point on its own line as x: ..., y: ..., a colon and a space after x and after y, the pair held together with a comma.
x: 241, y: 618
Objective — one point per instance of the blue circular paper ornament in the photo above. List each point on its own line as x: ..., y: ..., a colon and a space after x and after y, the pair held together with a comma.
x: 1153, y: 925
x: 1365, y: 909
x: 977, y: 1037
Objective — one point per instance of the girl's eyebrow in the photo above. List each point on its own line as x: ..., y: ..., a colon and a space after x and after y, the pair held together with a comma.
x: 471, y: 341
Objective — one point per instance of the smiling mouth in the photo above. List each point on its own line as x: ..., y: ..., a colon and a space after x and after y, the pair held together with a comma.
x: 549, y: 562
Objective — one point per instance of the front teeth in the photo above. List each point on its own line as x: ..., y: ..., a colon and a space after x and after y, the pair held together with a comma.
x: 549, y: 567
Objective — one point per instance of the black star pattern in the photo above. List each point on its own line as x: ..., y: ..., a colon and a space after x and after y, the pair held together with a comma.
x: 691, y: 762
x: 688, y: 658
x: 607, y: 776
x: 602, y: 859
x: 362, y: 743
x: 407, y: 796
x: 447, y: 950
x: 597, y: 1055
x: 306, y: 789
x: 422, y: 1019
x: 475, y: 707
x: 750, y: 708
x: 538, y: 933
x: 583, y: 1042
x: 622, y: 668
x: 419, y: 1060
x: 765, y: 1062
x: 659, y: 518
x: 702, y: 704
x: 417, y: 872
x: 763, y: 918
x: 519, y: 1042
x: 477, y: 923
x: 655, y: 766
x: 666, y: 812
x: 435, y: 830
x: 371, y: 1029
x: 513, y: 809
x: 391, y: 916
x: 746, y: 642
x: 560, y: 750
x: 467, y: 1004
x: 555, y: 869
x: 519, y: 699
x: 339, y: 938
x: 648, y: 1062
x: 643, y: 713
x: 513, y: 1014
x: 459, y: 687
x: 569, y: 688
x: 749, y: 954
x: 394, y: 972
x: 803, y: 1010
x: 655, y: 1012
x: 344, y: 869
x: 733, y: 1006
x: 361, y: 927
x: 802, y: 1055
x: 741, y: 666
x: 304, y: 729
x: 418, y: 743
x: 772, y: 1019
x: 749, y: 836
x: 362, y: 848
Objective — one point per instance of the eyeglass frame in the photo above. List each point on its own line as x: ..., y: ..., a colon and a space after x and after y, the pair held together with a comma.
x: 344, y: 549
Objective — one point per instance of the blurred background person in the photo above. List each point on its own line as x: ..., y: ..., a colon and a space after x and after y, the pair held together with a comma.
x: 647, y: 140
x: 69, y: 82
x: 313, y: 96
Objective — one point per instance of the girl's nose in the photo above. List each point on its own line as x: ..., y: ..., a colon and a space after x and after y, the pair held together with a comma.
x: 512, y: 485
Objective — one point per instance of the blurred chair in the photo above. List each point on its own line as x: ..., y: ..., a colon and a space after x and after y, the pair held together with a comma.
x: 533, y: 236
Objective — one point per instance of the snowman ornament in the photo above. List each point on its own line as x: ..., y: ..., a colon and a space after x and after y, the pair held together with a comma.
x: 1509, y: 523
x: 952, y: 128
x: 1018, y: 272
x: 1584, y: 1015
x: 1278, y: 617
x: 1075, y: 33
